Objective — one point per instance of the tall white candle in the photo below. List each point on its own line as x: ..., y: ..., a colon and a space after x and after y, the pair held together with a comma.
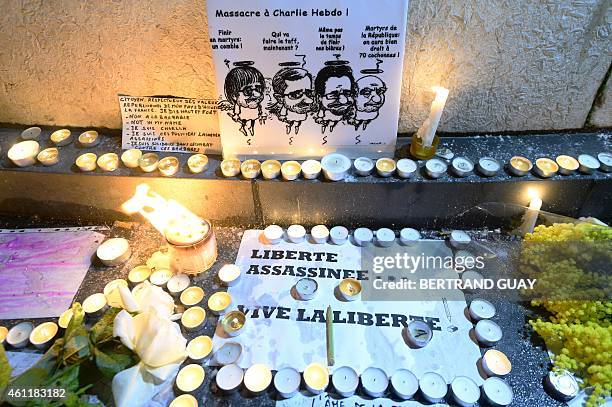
x: 531, y: 215
x: 427, y: 131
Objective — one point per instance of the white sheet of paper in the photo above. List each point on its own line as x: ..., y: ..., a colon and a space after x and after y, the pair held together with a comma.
x: 324, y: 400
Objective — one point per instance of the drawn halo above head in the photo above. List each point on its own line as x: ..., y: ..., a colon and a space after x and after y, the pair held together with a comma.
x: 371, y: 71
x: 336, y: 62
x: 244, y: 63
x: 290, y: 63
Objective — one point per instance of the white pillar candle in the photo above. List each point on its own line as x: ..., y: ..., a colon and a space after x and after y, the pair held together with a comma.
x: 131, y: 157
x: 160, y: 277
x: 199, y: 348
x: 481, y: 309
x: 48, y: 157
x: 428, y: 129
x: 418, y: 333
x: 230, y: 167
x: 587, y: 164
x: 43, y: 334
x: 192, y: 296
x: 488, y: 332
x: 190, y: 378
x: 319, y: 234
x: 148, y: 162
x: 409, y: 236
x: 177, y: 284
x: 459, y: 239
x: 433, y: 387
x: 531, y: 216
x: 335, y: 166
x: 89, y: 138
x: 273, y: 234
x: 24, y: 153
x: 61, y: 137
x: 86, y: 162
x: 406, y: 168
x: 567, y: 164
x: 270, y: 169
x: 168, y: 166
x: 250, y: 169
x: 138, y: 274
x: 95, y: 305
x: 220, y: 302
x: 114, y: 251
x: 497, y: 392
x: 233, y: 323
x: 339, y: 235
x: 228, y: 353
x: 229, y: 378
x: 311, y: 169
x: 385, y: 237
x: 374, y: 381
x: 363, y: 166
x: 316, y: 378
x: 197, y: 163
x: 184, y: 400
x: 363, y: 236
x: 306, y: 288
x: 31, y: 133
x: 385, y: 167
x: 296, y: 233
x: 287, y: 382
x: 229, y: 274
x: 193, y: 318
x: 108, y: 162
x: 465, y: 391
x: 496, y: 363
x: 345, y: 380
x: 19, y: 335
x: 404, y: 384
x: 65, y: 318
x: 291, y: 170
x: 3, y: 334
x: 111, y: 292
x: 350, y: 289
x: 435, y: 168
x: 257, y: 378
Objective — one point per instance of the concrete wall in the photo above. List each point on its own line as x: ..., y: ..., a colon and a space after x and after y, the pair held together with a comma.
x: 510, y: 65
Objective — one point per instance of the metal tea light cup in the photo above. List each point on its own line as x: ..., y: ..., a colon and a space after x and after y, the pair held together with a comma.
x: 233, y: 323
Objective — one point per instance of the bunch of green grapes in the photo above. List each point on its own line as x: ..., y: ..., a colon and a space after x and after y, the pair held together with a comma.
x: 579, y: 331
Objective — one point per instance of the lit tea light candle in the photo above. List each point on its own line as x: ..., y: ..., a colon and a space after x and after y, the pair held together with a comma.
x: 562, y: 385
x: 311, y: 169
x: 184, y: 400
x: 48, y: 157
x: 319, y: 234
x: 345, y: 380
x: 177, y: 284
x: 273, y: 234
x: 363, y: 236
x: 257, y: 378
x: 24, y: 153
x: 228, y: 353
x: 335, y: 166
x: 350, y: 289
x: 306, y: 288
x: 587, y: 164
x: 229, y: 378
x: 197, y: 163
x: 199, y: 348
x: 296, y: 233
x: 148, y: 162
x: 229, y: 275
x: 495, y: 363
x: 363, y: 166
x: 108, y: 162
x: 219, y: 302
x: 481, y: 309
x: 433, y: 387
x: 385, y: 167
x: 605, y: 161
x: 462, y: 166
x: 3, y: 334
x: 435, y: 168
x: 61, y: 137
x: 459, y: 239
x: 19, y: 335
x: 233, y: 323
x: 86, y: 162
x: 567, y: 164
x: 418, y: 333
x: 43, y: 334
x: 192, y: 296
x: 139, y: 274
x: 131, y: 158
x: 193, y: 318
x: 497, y: 392
x: 287, y: 382
x: 519, y: 165
x: 374, y: 381
x: 160, y: 277
x: 89, y: 138
x: 339, y: 235
x: 230, y: 167
x: 270, y: 169
x: 95, y: 305
x: 111, y: 291
x: 406, y: 168
x: 465, y: 391
x: 31, y: 133
x: 488, y: 166
x: 488, y: 332
x: 291, y: 170
x: 65, y: 318
x: 316, y: 378
x: 409, y: 236
x: 250, y: 169
x: 168, y: 166
x: 545, y: 167
x: 190, y: 378
x: 114, y: 251
x: 385, y: 237
x: 404, y: 384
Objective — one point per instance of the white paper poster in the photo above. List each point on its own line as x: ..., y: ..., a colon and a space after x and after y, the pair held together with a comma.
x: 301, y: 79
x: 283, y: 330
x: 173, y: 124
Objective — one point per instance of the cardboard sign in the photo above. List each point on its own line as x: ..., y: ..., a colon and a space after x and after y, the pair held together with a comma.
x: 300, y: 80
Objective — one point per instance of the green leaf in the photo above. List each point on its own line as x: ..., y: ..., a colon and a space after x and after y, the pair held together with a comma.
x: 76, y: 348
x: 102, y: 331
x: 112, y: 361
x: 5, y: 372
